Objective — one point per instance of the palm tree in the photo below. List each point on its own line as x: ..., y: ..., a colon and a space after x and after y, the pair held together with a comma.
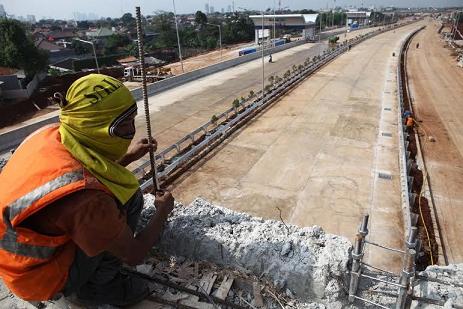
x: 236, y: 105
x: 271, y: 79
x: 294, y: 68
x: 214, y: 119
x: 287, y: 74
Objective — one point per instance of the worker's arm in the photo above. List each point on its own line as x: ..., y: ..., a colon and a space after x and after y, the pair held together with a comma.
x: 137, y: 151
x: 133, y: 250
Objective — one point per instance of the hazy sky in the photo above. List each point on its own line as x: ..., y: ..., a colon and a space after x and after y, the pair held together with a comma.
x: 114, y: 8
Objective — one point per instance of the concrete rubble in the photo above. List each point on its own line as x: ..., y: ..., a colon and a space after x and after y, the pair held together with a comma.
x: 304, y: 262
x: 441, y: 283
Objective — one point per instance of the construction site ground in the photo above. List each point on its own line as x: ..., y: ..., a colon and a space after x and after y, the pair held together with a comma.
x: 314, y: 156
x: 213, y: 57
x: 436, y: 86
x: 208, y: 58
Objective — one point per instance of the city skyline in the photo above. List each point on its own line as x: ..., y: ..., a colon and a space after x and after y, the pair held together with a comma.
x: 96, y: 10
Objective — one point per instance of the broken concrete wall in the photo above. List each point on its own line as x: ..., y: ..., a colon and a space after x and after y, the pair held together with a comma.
x: 304, y: 261
x: 443, y: 284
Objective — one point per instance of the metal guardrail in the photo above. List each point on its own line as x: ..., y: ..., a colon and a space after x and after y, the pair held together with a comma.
x: 404, y: 156
x: 201, y: 140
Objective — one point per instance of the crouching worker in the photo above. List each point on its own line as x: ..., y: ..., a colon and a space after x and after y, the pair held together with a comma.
x: 69, y: 206
x: 409, y: 122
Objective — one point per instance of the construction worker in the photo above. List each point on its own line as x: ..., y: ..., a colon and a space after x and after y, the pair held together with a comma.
x: 409, y: 123
x: 69, y: 206
x: 270, y: 59
x: 406, y: 114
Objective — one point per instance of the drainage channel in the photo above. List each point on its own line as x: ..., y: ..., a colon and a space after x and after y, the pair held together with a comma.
x: 420, y: 209
x: 179, y: 157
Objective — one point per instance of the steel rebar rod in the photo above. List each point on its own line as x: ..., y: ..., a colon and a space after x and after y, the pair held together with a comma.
x: 141, y: 54
x: 178, y: 287
x: 383, y: 281
x: 379, y: 269
x: 384, y: 247
x: 370, y: 302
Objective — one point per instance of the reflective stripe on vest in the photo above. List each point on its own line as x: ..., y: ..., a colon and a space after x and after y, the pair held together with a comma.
x: 25, y: 201
x: 9, y: 241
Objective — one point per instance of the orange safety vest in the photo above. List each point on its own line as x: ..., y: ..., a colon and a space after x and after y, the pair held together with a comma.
x: 41, y: 171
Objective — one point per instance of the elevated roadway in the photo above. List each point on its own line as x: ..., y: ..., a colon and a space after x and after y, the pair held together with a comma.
x: 314, y: 158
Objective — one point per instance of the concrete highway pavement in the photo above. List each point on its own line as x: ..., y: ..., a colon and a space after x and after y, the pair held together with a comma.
x: 436, y: 85
x: 313, y: 158
x: 178, y: 111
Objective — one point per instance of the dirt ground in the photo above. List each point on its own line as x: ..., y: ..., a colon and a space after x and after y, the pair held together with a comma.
x: 206, y: 59
x: 436, y: 84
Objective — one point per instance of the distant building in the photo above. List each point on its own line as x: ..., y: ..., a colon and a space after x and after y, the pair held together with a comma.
x: 303, y: 22
x: 211, y: 8
x: 99, y: 33
x: 206, y: 8
x: 78, y: 16
x: 55, y: 52
x: 31, y: 19
x: 222, y: 10
x: 356, y: 17
x: 229, y: 8
x: 60, y: 35
x: 2, y: 11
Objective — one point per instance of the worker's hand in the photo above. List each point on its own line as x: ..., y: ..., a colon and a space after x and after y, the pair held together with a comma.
x: 138, y: 150
x: 164, y: 202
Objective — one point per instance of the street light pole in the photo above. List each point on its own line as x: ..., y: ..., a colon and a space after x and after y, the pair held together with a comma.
x: 457, y: 22
x: 332, y: 17
x: 263, y: 62
x: 94, y: 52
x: 96, y: 59
x: 220, y: 37
x: 274, y: 28
x: 178, y: 37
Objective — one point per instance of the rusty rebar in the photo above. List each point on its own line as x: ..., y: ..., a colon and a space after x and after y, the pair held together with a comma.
x: 141, y: 55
